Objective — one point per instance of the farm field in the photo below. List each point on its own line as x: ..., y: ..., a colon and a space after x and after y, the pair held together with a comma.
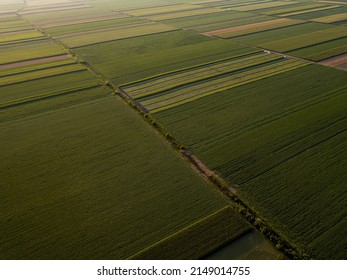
x: 250, y: 131
x: 164, y: 129
x: 182, y: 49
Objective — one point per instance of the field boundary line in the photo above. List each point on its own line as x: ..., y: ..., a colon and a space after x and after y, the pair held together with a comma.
x: 178, y: 232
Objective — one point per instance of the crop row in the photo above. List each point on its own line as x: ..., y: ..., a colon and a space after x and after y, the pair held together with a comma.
x: 267, y: 130
x: 206, y: 87
x: 76, y: 40
x: 175, y: 79
x: 38, y: 74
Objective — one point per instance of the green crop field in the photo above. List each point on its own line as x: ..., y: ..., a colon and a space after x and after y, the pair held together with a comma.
x: 210, y: 81
x: 250, y: 131
x: 82, y: 194
x: 88, y: 38
x: 173, y: 129
x: 140, y: 57
x: 29, y: 50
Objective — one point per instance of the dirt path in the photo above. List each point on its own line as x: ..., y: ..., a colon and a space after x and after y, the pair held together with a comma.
x: 34, y: 61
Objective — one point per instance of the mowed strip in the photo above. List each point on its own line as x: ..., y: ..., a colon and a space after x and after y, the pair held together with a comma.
x: 331, y: 18
x: 19, y: 35
x: 251, y: 28
x: 335, y: 61
x: 194, y: 91
x: 24, y: 51
x: 253, y: 7
x: 168, y: 81
x: 111, y: 35
x: 34, y: 61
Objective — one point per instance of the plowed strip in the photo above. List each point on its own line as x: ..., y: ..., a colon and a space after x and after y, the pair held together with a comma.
x: 336, y: 60
x: 34, y: 61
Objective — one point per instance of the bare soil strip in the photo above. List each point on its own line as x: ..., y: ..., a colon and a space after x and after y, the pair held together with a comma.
x: 34, y: 61
x: 335, y: 61
x: 243, y: 27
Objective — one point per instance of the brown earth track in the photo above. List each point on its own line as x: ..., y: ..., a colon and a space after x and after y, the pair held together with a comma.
x: 34, y: 61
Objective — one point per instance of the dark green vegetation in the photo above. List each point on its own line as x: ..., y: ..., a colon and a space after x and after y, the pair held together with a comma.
x: 80, y: 194
x: 137, y: 58
x: 257, y: 130
x: 259, y: 136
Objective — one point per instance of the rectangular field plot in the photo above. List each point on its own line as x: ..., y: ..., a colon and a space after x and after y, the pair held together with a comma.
x: 94, y: 25
x: 331, y: 18
x: 201, y: 20
x: 182, y: 14
x: 252, y: 28
x: 182, y: 49
x: 323, y: 50
x: 29, y: 90
x: 73, y: 18
x: 177, y: 90
x: 29, y: 50
x: 81, y: 195
x: 261, y: 130
x: 19, y: 36
x: 253, y: 7
x: 304, y: 40
x: 98, y: 36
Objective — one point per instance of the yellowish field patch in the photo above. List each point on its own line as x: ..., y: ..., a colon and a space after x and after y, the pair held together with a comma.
x: 262, y: 6
x: 309, y: 11
x: 241, y: 28
x: 331, y: 18
x: 184, y: 14
x: 161, y: 10
x: 109, y: 35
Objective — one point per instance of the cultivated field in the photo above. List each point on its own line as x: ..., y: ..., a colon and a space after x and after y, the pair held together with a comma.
x: 235, y: 150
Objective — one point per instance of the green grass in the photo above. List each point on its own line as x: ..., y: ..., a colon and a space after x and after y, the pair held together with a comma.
x: 250, y: 131
x: 84, y: 193
x: 141, y: 57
